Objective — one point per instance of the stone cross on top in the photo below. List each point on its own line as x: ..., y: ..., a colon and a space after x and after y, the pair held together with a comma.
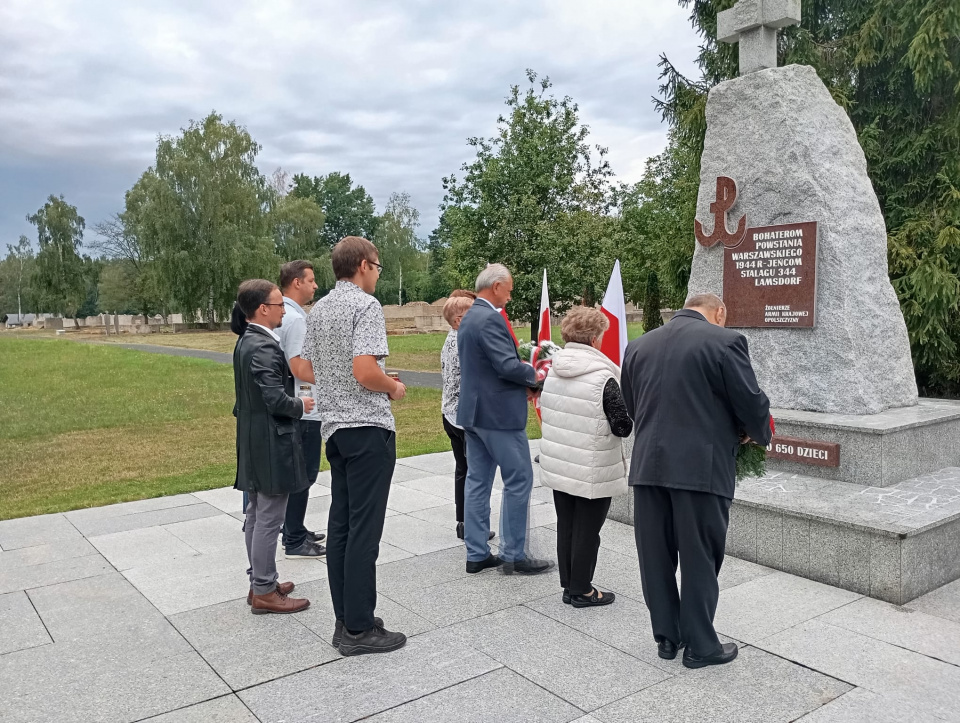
x: 753, y: 24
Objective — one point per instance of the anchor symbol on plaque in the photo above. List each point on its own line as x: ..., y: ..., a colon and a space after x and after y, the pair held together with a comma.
x: 726, y: 196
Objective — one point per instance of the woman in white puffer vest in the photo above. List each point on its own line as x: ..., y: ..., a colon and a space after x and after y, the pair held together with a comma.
x: 581, y: 453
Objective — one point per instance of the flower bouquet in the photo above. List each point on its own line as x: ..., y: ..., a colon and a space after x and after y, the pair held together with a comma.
x: 538, y: 356
x: 752, y: 457
x: 530, y: 352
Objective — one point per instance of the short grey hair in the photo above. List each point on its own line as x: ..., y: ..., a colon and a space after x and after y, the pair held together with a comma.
x: 491, y: 275
x: 709, y: 302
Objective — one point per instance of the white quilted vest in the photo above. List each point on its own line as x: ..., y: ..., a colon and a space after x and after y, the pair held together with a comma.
x: 579, y: 454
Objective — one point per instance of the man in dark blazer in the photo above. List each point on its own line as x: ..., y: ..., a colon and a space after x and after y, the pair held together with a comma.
x: 691, y: 391
x: 270, y: 464
x: 494, y: 384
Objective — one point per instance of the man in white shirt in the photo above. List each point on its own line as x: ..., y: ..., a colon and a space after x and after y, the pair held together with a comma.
x: 298, y: 285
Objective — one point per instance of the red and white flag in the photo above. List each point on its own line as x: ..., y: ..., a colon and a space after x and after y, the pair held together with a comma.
x: 614, y: 307
x: 503, y: 313
x: 544, y: 333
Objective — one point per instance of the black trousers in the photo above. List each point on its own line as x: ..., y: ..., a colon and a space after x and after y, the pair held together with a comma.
x: 692, y: 526
x: 578, y: 539
x: 361, y: 467
x: 294, y: 531
x: 458, y: 440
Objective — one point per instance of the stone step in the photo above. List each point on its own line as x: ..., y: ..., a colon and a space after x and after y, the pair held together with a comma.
x: 876, y: 449
x: 893, y: 543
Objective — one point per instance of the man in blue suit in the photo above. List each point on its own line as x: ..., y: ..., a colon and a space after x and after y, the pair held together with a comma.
x: 494, y: 384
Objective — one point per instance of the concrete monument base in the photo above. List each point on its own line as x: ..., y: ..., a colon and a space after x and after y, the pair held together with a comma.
x: 892, y: 543
x: 884, y: 523
x: 877, y: 449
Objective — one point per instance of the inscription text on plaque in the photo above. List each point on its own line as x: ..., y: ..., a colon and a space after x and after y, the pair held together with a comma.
x: 805, y: 451
x: 770, y: 278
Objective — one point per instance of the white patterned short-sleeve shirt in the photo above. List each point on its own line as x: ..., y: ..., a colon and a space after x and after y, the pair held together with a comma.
x: 450, y: 370
x: 346, y: 323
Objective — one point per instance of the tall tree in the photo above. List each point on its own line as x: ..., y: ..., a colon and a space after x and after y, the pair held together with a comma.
x: 441, y: 277
x: 118, y: 239
x: 117, y: 287
x: 404, y: 260
x: 59, y: 273
x: 20, y: 258
x: 91, y: 269
x: 894, y: 65
x: 656, y: 221
x: 533, y: 198
x: 201, y: 214
x: 651, y: 303
x: 348, y: 210
x: 297, y: 225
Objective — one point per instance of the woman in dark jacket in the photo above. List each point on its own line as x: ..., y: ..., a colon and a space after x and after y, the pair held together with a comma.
x: 270, y: 462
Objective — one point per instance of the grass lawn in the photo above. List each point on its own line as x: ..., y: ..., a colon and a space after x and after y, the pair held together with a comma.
x: 87, y: 425
x: 414, y: 352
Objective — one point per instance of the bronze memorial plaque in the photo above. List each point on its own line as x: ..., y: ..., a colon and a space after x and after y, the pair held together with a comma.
x: 770, y: 277
x: 805, y: 451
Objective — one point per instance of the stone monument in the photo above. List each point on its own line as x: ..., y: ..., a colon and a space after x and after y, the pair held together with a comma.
x: 794, y: 156
x: 863, y: 482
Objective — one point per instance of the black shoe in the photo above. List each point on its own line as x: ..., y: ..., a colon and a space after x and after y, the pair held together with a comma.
x: 667, y: 649
x: 529, y: 566
x: 727, y: 652
x: 375, y: 640
x: 460, y: 532
x: 566, y: 596
x: 308, y: 550
x: 537, y: 459
x: 338, y: 630
x: 316, y: 536
x: 593, y: 599
x: 491, y: 561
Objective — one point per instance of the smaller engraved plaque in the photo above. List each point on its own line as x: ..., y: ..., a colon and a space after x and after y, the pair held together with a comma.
x: 805, y: 451
x: 770, y: 278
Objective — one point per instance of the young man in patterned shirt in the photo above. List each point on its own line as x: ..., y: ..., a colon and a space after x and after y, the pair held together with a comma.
x: 346, y: 342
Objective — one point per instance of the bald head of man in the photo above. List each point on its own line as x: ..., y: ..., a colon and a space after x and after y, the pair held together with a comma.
x: 710, y: 305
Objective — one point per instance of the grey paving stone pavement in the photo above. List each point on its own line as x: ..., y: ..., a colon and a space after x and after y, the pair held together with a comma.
x: 878, y: 666
x: 759, y: 608
x: 861, y: 706
x: 20, y: 626
x: 361, y: 686
x: 240, y: 653
x: 943, y: 602
x: 502, y: 696
x: 39, y: 530
x: 228, y: 709
x: 51, y: 573
x: 136, y: 612
x: 758, y: 687
x: 531, y: 644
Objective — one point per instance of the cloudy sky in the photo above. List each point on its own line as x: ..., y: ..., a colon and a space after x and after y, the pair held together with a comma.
x: 386, y: 90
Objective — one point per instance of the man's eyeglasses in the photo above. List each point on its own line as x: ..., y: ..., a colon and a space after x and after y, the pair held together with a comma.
x: 268, y: 304
x: 379, y: 266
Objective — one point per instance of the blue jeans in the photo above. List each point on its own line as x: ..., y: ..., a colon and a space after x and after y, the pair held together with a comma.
x: 509, y: 450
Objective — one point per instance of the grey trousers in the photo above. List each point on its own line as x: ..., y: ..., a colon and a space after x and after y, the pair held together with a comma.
x: 264, y: 519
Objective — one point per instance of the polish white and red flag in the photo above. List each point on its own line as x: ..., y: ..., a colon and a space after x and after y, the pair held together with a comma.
x: 544, y: 332
x: 614, y: 307
x: 503, y: 313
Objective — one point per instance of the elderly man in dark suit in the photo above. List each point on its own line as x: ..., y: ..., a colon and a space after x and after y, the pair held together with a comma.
x: 270, y: 464
x: 691, y: 391
x: 494, y: 385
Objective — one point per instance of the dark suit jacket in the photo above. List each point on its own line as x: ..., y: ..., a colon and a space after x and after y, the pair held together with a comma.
x: 493, y: 380
x: 690, y: 390
x: 269, y: 452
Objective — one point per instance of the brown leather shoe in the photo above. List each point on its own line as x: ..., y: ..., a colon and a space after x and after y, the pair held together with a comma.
x: 285, y: 588
x: 277, y: 602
